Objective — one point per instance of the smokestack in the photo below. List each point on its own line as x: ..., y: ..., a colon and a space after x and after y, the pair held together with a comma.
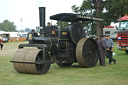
x: 42, y: 16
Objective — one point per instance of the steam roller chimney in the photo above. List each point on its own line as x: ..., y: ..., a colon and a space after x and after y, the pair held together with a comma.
x: 42, y: 18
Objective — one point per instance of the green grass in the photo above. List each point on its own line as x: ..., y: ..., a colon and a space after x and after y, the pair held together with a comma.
x: 114, y: 74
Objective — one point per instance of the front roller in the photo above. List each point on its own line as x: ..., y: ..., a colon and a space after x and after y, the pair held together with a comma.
x: 87, y: 52
x: 29, y: 61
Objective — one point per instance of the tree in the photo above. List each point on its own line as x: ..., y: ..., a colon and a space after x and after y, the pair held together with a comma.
x: 114, y: 10
x: 91, y: 8
x: 7, y: 26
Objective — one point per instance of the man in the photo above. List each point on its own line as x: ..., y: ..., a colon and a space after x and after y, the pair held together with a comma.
x: 102, y: 47
x: 109, y: 49
x: 104, y: 38
x: 1, y: 42
x: 96, y: 38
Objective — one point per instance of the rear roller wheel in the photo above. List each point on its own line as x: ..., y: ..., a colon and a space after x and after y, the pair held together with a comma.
x: 87, y: 52
x: 30, y: 55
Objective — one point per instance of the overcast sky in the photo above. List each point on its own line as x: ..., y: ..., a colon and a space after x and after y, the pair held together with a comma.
x: 27, y: 10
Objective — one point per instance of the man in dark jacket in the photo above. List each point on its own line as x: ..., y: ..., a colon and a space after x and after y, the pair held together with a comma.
x: 102, y: 47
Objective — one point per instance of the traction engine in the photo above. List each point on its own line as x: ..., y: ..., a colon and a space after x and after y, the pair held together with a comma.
x: 63, y: 46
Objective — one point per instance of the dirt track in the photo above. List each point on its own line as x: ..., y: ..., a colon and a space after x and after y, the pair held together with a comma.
x: 10, y: 48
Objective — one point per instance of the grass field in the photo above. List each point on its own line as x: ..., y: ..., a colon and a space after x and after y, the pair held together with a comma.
x: 114, y: 74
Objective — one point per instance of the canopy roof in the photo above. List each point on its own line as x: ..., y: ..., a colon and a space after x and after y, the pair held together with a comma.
x: 70, y: 17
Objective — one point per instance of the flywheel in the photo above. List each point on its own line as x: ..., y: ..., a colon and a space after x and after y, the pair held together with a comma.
x: 29, y: 55
x: 76, y: 32
x: 87, y: 52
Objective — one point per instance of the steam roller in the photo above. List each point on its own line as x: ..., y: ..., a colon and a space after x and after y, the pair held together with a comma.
x: 51, y: 44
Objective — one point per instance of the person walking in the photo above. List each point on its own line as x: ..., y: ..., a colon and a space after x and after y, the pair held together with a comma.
x: 109, y: 49
x: 1, y: 43
x: 102, y: 47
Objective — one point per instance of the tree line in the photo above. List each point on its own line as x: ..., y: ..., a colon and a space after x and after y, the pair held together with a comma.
x: 7, y: 26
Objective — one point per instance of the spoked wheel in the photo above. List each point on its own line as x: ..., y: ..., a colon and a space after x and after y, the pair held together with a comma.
x: 30, y: 55
x: 87, y: 52
x: 65, y: 64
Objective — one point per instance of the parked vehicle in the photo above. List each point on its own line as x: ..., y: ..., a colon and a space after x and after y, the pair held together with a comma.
x: 122, y: 35
x: 110, y: 30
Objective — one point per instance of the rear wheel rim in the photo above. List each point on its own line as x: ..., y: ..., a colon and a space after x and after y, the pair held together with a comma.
x: 87, y: 52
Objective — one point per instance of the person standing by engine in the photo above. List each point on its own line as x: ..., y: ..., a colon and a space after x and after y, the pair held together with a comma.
x: 102, y: 47
x: 109, y: 49
x: 104, y: 38
x: 1, y: 43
